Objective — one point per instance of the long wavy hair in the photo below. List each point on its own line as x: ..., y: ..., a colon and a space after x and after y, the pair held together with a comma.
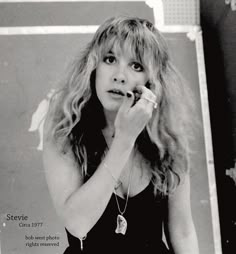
x: 77, y: 117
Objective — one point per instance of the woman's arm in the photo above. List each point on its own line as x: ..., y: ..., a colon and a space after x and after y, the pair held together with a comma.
x: 80, y: 205
x: 182, y: 234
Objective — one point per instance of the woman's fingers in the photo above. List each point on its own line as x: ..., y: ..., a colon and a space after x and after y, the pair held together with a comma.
x: 147, y: 97
x: 151, y: 101
x: 127, y: 102
x: 135, y: 111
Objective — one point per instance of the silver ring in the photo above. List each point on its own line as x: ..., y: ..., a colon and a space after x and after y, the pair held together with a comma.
x: 154, y: 103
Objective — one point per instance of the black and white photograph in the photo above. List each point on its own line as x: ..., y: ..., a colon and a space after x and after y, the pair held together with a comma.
x: 117, y: 127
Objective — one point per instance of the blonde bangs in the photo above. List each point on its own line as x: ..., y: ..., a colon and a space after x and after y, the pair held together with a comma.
x: 135, y: 40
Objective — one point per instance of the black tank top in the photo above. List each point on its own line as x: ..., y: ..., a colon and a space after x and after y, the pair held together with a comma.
x: 144, y: 214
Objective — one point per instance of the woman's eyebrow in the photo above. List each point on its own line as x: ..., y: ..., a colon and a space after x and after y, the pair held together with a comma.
x: 110, y: 52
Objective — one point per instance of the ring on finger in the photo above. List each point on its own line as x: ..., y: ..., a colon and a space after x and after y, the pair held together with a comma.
x: 152, y: 101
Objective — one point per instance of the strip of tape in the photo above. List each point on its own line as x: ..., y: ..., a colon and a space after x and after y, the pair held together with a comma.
x: 26, y: 30
x: 158, y: 11
x: 37, y: 30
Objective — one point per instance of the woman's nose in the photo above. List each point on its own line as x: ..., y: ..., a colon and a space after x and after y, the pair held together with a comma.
x: 119, y: 76
x: 117, y: 79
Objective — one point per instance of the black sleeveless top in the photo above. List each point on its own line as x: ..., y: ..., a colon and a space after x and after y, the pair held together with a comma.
x: 144, y: 214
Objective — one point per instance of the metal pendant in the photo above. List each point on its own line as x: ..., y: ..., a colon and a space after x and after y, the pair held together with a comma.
x: 121, y: 225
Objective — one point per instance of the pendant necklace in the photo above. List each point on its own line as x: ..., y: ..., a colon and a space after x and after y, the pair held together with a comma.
x: 121, y: 222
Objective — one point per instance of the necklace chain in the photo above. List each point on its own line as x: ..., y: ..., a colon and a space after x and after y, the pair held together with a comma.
x: 127, y: 196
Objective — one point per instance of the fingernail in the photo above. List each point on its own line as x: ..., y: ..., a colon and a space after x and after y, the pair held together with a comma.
x: 128, y: 94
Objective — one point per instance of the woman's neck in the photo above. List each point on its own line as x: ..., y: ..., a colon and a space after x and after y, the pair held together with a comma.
x: 109, y: 134
x: 109, y: 130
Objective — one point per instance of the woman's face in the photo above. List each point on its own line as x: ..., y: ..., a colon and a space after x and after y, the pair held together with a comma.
x: 116, y: 74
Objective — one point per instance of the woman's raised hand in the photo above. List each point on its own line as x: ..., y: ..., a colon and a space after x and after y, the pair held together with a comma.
x: 133, y: 115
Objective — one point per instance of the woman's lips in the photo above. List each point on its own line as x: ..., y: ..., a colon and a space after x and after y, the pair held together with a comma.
x: 116, y: 93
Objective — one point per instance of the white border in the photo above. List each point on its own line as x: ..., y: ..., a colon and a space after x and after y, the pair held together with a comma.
x: 208, y: 143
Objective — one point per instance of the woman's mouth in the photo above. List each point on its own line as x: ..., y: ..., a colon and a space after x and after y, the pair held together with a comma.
x: 116, y: 93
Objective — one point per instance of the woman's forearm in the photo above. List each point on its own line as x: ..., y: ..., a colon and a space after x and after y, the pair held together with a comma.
x: 185, y: 243
x: 84, y: 207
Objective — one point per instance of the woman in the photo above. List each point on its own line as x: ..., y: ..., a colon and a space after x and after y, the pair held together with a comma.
x: 115, y: 146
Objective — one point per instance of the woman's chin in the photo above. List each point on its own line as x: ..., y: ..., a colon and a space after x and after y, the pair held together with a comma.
x: 111, y: 111
x: 114, y: 107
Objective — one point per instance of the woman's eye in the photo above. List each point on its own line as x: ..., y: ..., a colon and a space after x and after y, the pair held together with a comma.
x: 137, y: 66
x: 109, y: 59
